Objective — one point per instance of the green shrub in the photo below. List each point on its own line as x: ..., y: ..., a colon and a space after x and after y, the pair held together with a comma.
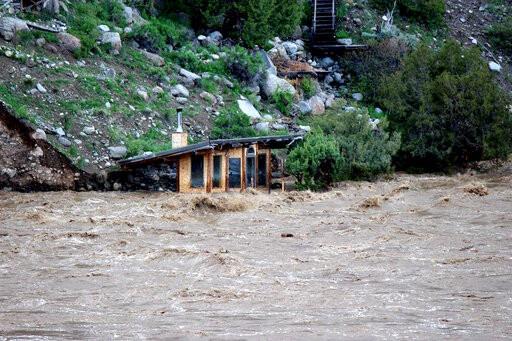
x: 500, y: 34
x: 151, y: 141
x: 158, y: 33
x: 367, y: 152
x: 448, y: 108
x: 243, y: 65
x: 232, y: 123
x: 308, y: 86
x: 283, y: 101
x: 316, y: 163
x: 430, y: 12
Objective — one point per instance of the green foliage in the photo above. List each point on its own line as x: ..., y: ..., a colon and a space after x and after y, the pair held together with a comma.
x: 262, y: 19
x: 316, y: 162
x: 367, y: 151
x: 430, y: 12
x: 500, y: 34
x: 242, y: 64
x: 308, y: 86
x: 232, y: 123
x: 283, y: 101
x: 19, y: 109
x: 151, y: 141
x: 158, y: 33
x: 25, y: 37
x: 448, y: 109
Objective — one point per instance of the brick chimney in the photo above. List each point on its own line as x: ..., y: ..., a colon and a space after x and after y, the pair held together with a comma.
x: 179, y: 138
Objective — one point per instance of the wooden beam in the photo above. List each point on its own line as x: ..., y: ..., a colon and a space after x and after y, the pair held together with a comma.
x: 269, y: 169
x: 209, y: 172
x: 226, y: 171
x: 244, y: 170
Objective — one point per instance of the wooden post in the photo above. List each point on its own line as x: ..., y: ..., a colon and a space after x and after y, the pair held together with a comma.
x: 256, y: 157
x: 244, y: 170
x: 178, y: 176
x: 269, y: 169
x: 226, y: 171
x: 209, y: 172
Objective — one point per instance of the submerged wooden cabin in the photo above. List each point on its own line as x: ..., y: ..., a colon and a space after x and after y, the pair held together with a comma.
x: 217, y: 165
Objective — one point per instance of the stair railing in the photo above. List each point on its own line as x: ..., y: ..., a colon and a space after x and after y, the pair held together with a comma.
x: 333, y: 14
x: 314, y: 18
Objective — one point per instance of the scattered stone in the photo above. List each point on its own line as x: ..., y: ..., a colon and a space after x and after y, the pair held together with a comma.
x: 118, y: 152
x: 39, y: 134
x: 143, y: 94
x: 304, y: 107
x: 477, y: 189
x: 215, y: 37
x: 69, y: 41
x: 37, y: 152
x: 10, y: 26
x: 64, y: 141
x: 59, y: 132
x: 273, y: 84
x: 180, y: 90
x: 157, y: 90
x: 357, y: 96
x: 117, y: 186
x: 181, y: 100
x: 305, y: 128
x: 208, y: 97
x: 495, y: 67
x: 11, y: 173
x: 345, y: 41
x: 41, y: 88
x: 154, y: 58
x: 103, y: 28
x: 40, y: 42
x: 189, y: 75
x: 248, y: 109
x: 317, y: 105
x: 291, y: 48
x: 326, y: 62
x: 89, y: 130
x: 262, y: 126
x: 113, y: 39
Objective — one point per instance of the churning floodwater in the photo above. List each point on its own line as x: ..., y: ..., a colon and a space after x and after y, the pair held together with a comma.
x: 416, y: 257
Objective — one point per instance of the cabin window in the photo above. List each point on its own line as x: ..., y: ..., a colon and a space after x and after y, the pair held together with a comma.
x: 251, y: 168
x: 217, y: 171
x: 262, y: 170
x: 197, y: 172
x: 235, y: 165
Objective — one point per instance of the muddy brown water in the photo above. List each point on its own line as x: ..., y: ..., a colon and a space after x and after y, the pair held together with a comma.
x: 423, y: 258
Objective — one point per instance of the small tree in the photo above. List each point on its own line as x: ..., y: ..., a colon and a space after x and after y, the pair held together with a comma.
x: 367, y: 150
x: 317, y: 162
x: 448, y: 108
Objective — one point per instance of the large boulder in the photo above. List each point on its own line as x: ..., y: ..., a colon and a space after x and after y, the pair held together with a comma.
x: 189, y: 75
x: 118, y: 152
x: 69, y: 41
x: 113, y: 39
x: 272, y: 84
x: 317, y: 105
x: 247, y: 108
x: 154, y: 58
x: 180, y: 91
x: 9, y: 26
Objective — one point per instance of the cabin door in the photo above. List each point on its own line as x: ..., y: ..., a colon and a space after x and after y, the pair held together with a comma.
x: 235, y: 173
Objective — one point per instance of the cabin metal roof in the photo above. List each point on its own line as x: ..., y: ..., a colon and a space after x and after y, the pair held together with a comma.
x: 274, y: 142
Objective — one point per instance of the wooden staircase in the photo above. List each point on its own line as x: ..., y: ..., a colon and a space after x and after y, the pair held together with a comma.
x: 323, y: 37
x: 324, y: 22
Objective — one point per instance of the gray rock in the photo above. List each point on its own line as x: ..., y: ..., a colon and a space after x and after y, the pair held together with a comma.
x: 69, y: 41
x: 278, y: 126
x: 269, y: 65
x: 189, y: 75
x: 39, y: 134
x: 273, y: 84
x: 304, y: 107
x: 262, y: 126
x: 379, y: 110
x: 154, y: 58
x: 317, y: 105
x: 326, y: 62
x: 248, y: 109
x: 181, y: 100
x: 208, y: 97
x: 118, y: 152
x: 107, y: 73
x: 329, y: 101
x: 157, y: 90
x: 328, y: 79
x: 180, y: 90
x: 345, y: 41
x: 228, y: 83
x: 11, y: 173
x: 358, y: 96
x: 305, y: 128
x: 495, y: 67
x: 59, y: 132
x: 113, y: 39
x: 103, y: 28
x: 117, y: 186
x: 143, y: 94
x: 40, y: 42
x: 41, y: 88
x: 291, y: 48
x: 89, y: 130
x: 10, y: 26
x: 64, y: 141
x: 215, y: 37
x: 338, y: 77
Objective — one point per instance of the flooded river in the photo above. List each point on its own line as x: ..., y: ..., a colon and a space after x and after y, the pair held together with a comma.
x: 414, y: 257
